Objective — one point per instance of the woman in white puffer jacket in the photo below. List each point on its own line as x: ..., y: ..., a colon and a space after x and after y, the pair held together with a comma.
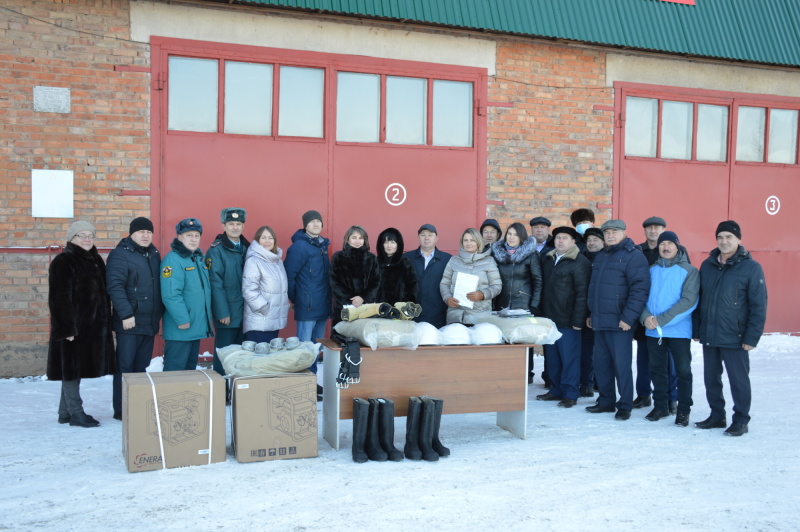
x: 264, y: 288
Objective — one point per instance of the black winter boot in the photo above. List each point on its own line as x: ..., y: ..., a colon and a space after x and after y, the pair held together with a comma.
x: 386, y: 436
x: 374, y: 451
x: 83, y: 420
x: 437, y: 422
x: 426, y: 430
x: 411, y: 448
x: 360, y: 422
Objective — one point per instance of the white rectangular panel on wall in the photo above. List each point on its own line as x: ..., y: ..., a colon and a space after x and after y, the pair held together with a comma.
x: 52, y: 193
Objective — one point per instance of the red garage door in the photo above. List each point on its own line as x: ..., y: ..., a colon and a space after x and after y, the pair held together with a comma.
x: 699, y: 157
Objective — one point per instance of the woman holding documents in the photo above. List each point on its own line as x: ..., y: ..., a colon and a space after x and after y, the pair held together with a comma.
x: 470, y: 281
x: 518, y: 263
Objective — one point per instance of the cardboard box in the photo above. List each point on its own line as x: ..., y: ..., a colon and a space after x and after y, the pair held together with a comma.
x: 189, y: 409
x: 274, y: 417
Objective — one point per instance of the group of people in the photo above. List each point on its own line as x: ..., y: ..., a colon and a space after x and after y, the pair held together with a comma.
x: 595, y: 284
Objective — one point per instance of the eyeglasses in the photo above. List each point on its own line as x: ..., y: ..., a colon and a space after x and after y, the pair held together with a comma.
x: 84, y: 236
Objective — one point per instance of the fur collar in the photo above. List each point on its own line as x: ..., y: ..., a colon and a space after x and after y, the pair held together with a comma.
x: 180, y: 249
x: 525, y: 250
x: 571, y: 254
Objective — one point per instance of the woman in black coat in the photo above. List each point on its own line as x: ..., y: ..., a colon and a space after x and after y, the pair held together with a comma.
x: 520, y: 270
x: 355, y: 276
x: 81, y: 346
x: 399, y: 281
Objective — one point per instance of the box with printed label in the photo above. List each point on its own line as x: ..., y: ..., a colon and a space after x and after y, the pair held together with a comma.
x: 172, y: 419
x: 274, y: 417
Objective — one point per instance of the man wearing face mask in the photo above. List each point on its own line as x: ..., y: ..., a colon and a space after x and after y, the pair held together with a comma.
x: 582, y: 219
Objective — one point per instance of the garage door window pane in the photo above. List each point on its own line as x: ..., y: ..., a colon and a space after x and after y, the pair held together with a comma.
x: 712, y: 133
x: 452, y: 113
x: 300, y: 102
x: 782, y: 136
x: 676, y: 130
x: 406, y: 110
x: 193, y: 89
x: 358, y: 107
x: 248, y: 98
x: 640, y: 126
x: 750, y: 134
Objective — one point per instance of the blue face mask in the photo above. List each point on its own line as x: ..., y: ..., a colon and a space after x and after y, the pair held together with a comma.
x: 581, y: 228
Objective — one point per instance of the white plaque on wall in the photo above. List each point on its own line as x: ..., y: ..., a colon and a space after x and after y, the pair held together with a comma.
x: 51, y: 99
x: 51, y: 194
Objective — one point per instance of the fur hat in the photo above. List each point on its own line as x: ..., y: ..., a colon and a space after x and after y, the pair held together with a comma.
x: 140, y: 224
x: 77, y: 227
x: 565, y: 229
x: 731, y: 227
x: 581, y: 215
x: 189, y: 224
x: 233, y: 214
x: 310, y: 216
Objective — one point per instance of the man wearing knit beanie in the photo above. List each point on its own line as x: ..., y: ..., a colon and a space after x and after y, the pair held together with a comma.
x: 135, y: 290
x: 307, y: 269
x: 732, y: 314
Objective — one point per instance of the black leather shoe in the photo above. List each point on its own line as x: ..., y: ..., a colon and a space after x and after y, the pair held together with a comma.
x: 587, y: 392
x: 736, y: 429
x: 118, y: 416
x: 657, y: 414
x: 673, y: 408
x: 567, y: 403
x: 711, y: 423
x: 83, y: 420
x: 641, y: 402
x: 622, y: 415
x: 63, y: 419
x: 597, y: 409
x: 547, y: 397
x: 682, y: 420
x: 548, y: 383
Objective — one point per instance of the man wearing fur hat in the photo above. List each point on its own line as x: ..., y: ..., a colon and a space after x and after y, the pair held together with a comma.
x: 307, y: 270
x: 132, y: 282
x: 225, y: 259
x: 732, y: 313
x: 186, y: 293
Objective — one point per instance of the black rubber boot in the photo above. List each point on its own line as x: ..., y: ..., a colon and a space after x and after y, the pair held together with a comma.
x: 386, y: 436
x: 426, y: 430
x: 411, y: 449
x: 360, y: 421
x: 437, y: 422
x: 373, y: 447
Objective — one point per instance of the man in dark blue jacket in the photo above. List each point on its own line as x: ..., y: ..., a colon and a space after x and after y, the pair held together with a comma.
x: 307, y: 271
x: 132, y: 283
x: 618, y: 292
x: 731, y: 317
x: 429, y: 263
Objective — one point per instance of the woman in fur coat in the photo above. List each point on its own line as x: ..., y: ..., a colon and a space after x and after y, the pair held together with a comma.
x: 81, y: 345
x: 398, y: 279
x: 264, y: 288
x: 473, y: 260
x: 355, y: 276
x: 520, y: 270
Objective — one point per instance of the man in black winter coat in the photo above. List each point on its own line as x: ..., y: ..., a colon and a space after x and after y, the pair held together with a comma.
x: 566, y: 284
x: 429, y: 263
x: 132, y: 282
x: 729, y: 322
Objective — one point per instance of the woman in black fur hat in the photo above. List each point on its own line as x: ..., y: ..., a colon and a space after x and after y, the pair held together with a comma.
x: 399, y: 281
x: 355, y: 276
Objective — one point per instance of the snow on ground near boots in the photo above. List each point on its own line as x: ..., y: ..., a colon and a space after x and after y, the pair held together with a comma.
x: 575, y: 471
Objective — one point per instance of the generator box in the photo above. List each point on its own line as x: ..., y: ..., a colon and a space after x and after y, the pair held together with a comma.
x: 274, y: 417
x: 172, y: 419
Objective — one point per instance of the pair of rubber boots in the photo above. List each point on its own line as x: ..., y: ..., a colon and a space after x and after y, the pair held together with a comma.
x: 373, y: 431
x: 423, y: 421
x: 400, y: 311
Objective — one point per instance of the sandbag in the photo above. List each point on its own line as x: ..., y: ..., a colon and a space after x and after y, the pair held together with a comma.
x: 379, y: 332
x: 486, y: 334
x: 428, y: 334
x: 455, y: 334
x: 527, y: 330
x: 240, y: 362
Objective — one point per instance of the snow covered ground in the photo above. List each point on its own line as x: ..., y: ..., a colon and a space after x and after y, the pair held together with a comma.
x: 575, y: 471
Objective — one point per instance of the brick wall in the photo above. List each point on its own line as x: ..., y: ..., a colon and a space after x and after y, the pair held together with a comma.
x: 104, y: 140
x: 551, y: 152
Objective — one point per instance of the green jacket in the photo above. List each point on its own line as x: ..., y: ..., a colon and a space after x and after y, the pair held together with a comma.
x: 186, y: 293
x: 225, y: 265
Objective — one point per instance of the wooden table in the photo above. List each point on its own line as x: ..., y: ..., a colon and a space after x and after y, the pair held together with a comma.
x: 469, y: 378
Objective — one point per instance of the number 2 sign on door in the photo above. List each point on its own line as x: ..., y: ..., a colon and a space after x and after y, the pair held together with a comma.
x: 395, y: 194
